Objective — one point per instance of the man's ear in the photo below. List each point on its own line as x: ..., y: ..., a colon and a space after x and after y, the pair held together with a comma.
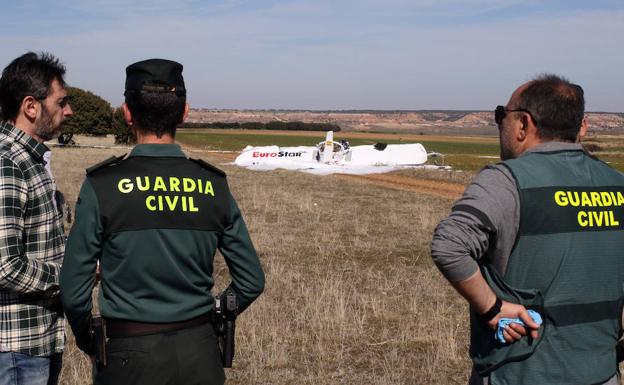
x: 525, y: 127
x: 127, y: 114
x: 29, y: 107
x: 582, y: 130
x: 186, y: 112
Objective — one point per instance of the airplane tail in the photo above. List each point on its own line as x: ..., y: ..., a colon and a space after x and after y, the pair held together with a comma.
x: 328, y: 152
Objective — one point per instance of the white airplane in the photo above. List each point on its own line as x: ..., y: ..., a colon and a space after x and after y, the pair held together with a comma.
x: 334, y: 156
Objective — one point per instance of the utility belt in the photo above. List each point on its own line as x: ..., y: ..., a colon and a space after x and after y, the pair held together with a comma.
x: 102, y: 329
x: 121, y: 329
x: 222, y: 317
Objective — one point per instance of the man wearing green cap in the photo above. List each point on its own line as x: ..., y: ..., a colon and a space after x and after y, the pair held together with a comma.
x: 153, y: 221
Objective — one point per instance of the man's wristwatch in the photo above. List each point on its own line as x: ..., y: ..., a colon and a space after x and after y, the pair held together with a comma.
x: 494, y: 310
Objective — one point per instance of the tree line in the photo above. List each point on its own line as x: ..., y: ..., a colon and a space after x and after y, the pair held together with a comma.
x: 296, y: 125
x: 95, y: 116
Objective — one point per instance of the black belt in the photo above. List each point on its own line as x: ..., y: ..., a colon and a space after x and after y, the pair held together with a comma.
x: 120, y: 329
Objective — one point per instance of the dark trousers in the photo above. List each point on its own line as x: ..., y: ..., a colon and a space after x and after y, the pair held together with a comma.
x: 188, y: 356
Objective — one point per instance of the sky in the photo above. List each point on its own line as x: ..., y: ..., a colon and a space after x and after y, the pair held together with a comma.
x: 331, y: 54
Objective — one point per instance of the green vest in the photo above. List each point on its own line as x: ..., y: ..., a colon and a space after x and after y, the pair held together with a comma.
x: 567, y: 264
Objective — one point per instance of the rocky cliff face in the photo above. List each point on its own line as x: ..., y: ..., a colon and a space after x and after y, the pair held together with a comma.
x: 430, y: 122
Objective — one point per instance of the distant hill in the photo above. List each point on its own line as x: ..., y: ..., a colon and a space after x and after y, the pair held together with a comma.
x: 444, y: 122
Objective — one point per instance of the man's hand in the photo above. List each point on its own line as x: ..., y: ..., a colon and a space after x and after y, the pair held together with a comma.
x: 513, y: 331
x: 481, y: 297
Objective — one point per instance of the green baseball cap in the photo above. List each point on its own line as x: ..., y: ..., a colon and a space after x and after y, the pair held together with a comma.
x: 155, y: 75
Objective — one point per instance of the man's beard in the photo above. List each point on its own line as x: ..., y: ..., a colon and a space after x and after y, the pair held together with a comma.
x: 44, y: 126
x: 505, y: 153
x: 506, y: 147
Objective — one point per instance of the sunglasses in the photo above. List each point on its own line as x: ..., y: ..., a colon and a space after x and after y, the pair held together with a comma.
x: 501, y: 112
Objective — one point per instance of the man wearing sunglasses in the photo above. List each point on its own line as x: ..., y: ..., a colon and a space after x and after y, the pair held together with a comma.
x: 541, y: 231
x: 32, y: 336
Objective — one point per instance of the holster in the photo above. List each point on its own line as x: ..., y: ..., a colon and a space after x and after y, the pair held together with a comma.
x: 98, y: 337
x: 224, y: 322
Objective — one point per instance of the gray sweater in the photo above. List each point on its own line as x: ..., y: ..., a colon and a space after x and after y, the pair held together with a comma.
x: 484, y: 222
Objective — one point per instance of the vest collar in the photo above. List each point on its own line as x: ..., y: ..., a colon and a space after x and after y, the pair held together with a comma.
x: 556, y: 146
x: 157, y: 150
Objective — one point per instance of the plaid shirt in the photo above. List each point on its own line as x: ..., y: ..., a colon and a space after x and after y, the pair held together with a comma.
x: 31, y: 248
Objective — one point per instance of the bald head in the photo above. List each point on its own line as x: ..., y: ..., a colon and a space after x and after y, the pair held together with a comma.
x: 556, y: 105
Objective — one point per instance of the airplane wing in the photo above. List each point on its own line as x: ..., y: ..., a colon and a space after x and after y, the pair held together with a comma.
x: 390, y: 155
x: 329, y: 156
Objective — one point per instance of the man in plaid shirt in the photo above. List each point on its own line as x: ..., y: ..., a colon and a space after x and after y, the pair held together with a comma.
x: 32, y: 336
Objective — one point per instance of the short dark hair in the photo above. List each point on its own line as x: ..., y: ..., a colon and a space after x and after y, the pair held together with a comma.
x: 557, y: 106
x: 156, y: 112
x: 29, y: 75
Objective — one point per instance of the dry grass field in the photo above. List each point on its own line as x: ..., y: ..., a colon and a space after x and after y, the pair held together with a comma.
x: 351, y: 297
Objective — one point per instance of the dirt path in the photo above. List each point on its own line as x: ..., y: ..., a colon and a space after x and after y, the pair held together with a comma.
x: 224, y: 156
x: 426, y: 186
